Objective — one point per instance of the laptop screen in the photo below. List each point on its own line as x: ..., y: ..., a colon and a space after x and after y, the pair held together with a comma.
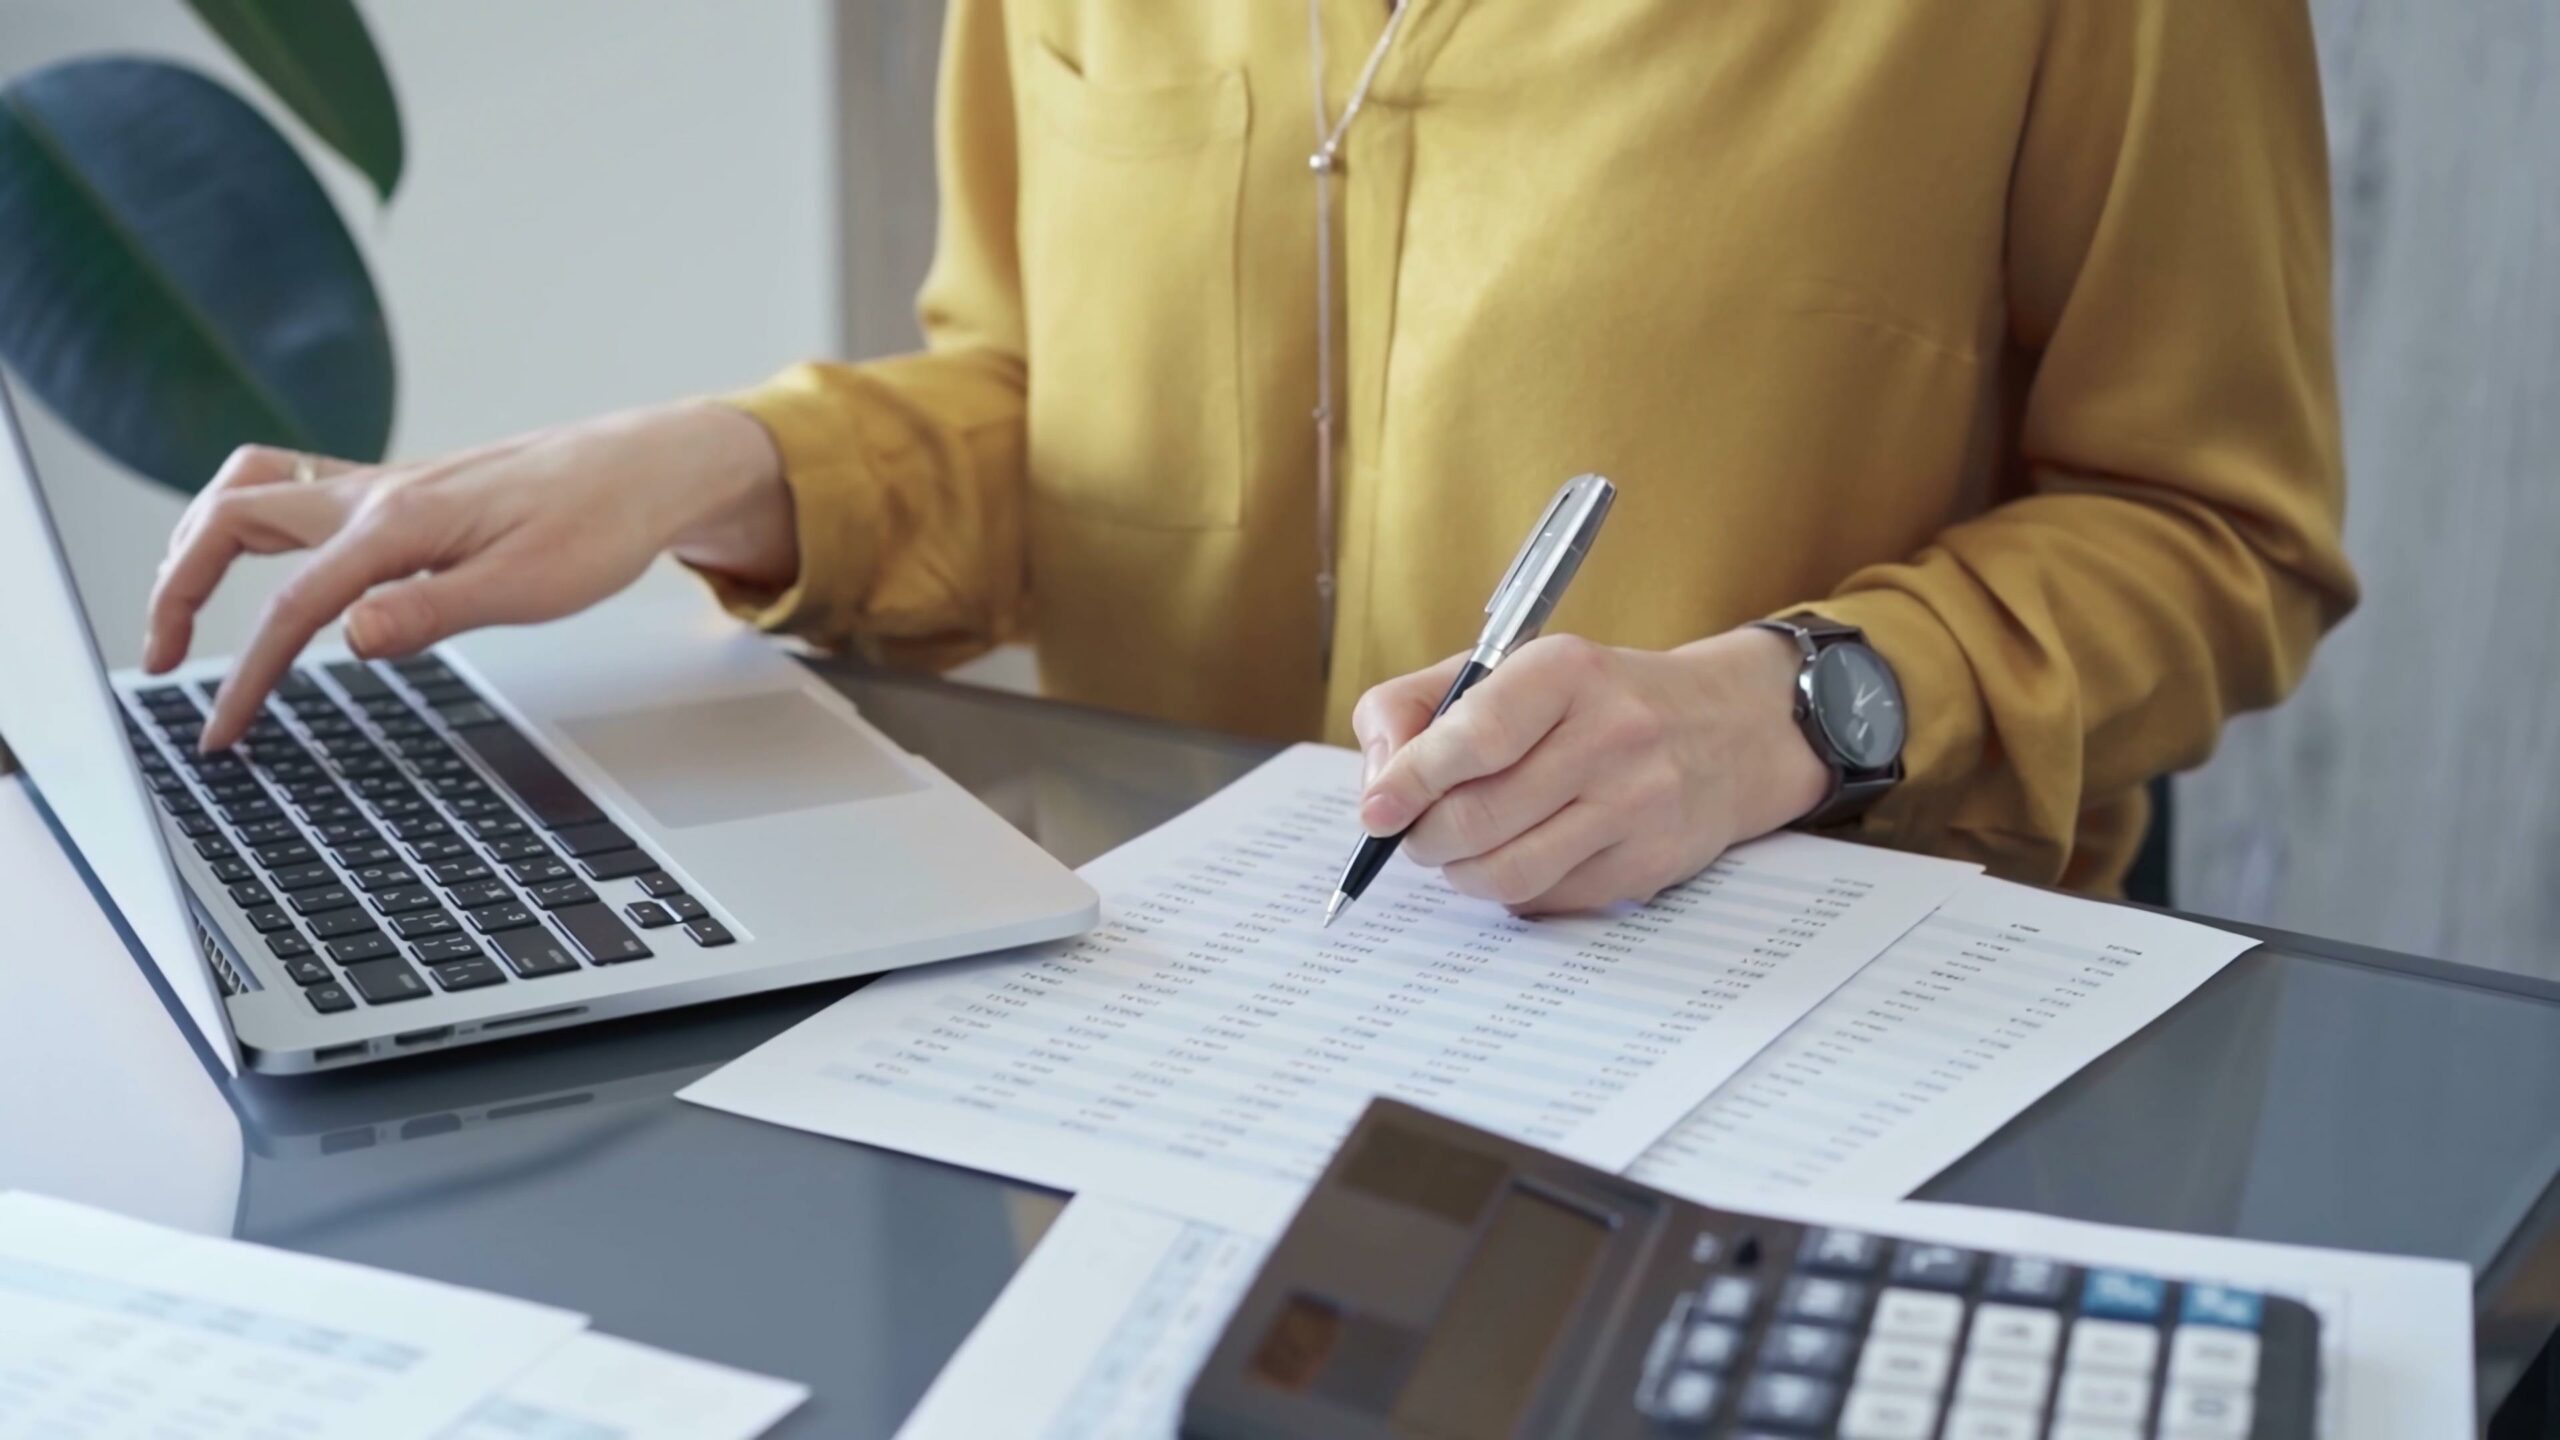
x: 61, y: 721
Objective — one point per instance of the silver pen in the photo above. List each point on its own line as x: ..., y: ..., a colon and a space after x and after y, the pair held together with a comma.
x: 1513, y: 617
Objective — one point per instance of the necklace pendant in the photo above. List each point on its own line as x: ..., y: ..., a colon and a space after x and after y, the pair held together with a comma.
x: 1325, y: 162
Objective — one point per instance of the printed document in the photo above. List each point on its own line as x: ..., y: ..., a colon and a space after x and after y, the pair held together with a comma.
x: 1099, y: 1334
x: 596, y: 1387
x: 2000, y: 996
x: 1207, y: 1045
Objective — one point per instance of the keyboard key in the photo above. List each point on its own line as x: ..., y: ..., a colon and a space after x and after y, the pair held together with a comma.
x: 287, y: 944
x: 425, y: 925
x: 232, y: 872
x: 1710, y: 1345
x: 684, y: 907
x: 335, y: 833
x: 1888, y: 1363
x: 276, y: 857
x: 1728, y: 1297
x: 457, y: 872
x: 303, y: 970
x: 339, y: 923
x: 249, y: 894
x: 329, y: 999
x: 362, y: 853
x: 479, y: 893
x: 550, y: 796
x: 1888, y: 1415
x: 1790, y: 1402
x: 444, y: 948
x: 251, y: 812
x: 495, y: 827
x: 475, y: 807
x: 2204, y: 1412
x: 1824, y: 1301
x: 1834, y: 1251
x: 1919, y: 1315
x: 214, y: 847
x: 2113, y: 1345
x: 420, y: 827
x: 525, y: 848
x: 491, y: 919
x: 616, y: 864
x: 1988, y: 1422
x: 2104, y: 1395
x: 355, y: 949
x: 553, y: 895
x: 382, y: 982
x: 467, y: 974
x: 596, y: 930
x: 404, y: 900
x: 196, y: 826
x: 591, y: 839
x: 1806, y: 1349
x: 457, y: 784
x: 2004, y: 1380
x: 267, y: 919
x: 1687, y: 1398
x: 319, y: 900
x: 303, y: 877
x: 708, y: 933
x: 436, y: 852
x: 178, y: 803
x: 2221, y: 1305
x: 658, y: 885
x: 537, y: 872
x: 357, y: 680
x: 2122, y: 1295
x: 2028, y: 1332
x: 1932, y: 1267
x: 648, y: 914
x: 533, y: 953
x: 2213, y: 1355
x: 387, y: 876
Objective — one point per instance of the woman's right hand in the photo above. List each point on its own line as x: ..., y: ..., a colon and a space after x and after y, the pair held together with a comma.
x: 526, y: 530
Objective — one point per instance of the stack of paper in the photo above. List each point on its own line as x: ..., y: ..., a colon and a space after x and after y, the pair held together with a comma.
x: 110, y: 1327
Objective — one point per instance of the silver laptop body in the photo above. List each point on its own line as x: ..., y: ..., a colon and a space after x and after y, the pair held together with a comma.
x: 641, y: 807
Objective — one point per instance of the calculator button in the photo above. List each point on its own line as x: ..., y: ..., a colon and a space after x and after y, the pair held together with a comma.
x: 1728, y: 1297
x: 2003, y: 1380
x: 2015, y: 1330
x: 2113, y: 1345
x: 1789, y: 1402
x: 1888, y: 1415
x: 2221, y: 1305
x: 1840, y: 1252
x: 1805, y: 1349
x: 1824, y: 1302
x: 2204, y: 1412
x: 1890, y: 1364
x: 2026, y: 1280
x: 1932, y: 1267
x: 2122, y: 1295
x: 2105, y: 1395
x: 1687, y: 1399
x: 1972, y: 1421
x: 2213, y: 1355
x: 1710, y: 1345
x: 1919, y: 1315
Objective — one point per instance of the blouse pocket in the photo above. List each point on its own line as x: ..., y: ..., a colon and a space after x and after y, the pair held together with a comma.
x: 1130, y: 293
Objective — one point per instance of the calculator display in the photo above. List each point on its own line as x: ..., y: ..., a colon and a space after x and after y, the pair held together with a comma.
x: 1482, y: 1362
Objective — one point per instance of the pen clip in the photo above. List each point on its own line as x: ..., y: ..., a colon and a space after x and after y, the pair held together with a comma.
x: 1529, y: 547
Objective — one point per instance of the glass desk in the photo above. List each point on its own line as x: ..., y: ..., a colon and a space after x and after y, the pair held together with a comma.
x: 2313, y: 1092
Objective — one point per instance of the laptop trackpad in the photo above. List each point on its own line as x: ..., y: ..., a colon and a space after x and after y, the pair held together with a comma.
x: 720, y: 760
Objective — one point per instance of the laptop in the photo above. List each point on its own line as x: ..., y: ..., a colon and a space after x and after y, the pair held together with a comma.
x: 634, y: 809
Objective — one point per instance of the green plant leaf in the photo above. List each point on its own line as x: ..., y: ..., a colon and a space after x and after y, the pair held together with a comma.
x: 319, y: 60
x: 173, y: 281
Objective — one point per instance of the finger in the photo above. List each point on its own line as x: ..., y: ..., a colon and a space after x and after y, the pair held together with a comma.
x: 1484, y: 815
x: 1487, y: 731
x: 1528, y: 867
x: 407, y: 616
x: 338, y: 573
x: 248, y: 467
x: 1622, y: 872
x: 259, y: 521
x: 1394, y: 711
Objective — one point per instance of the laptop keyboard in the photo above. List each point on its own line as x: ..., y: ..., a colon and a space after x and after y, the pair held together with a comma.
x: 352, y: 831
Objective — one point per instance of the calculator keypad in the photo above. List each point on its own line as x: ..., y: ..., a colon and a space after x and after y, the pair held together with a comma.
x: 1867, y: 1338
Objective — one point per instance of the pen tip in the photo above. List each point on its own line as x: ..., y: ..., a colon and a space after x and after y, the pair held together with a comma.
x: 1332, y: 908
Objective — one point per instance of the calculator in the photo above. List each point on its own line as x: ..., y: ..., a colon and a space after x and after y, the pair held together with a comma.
x: 1444, y: 1282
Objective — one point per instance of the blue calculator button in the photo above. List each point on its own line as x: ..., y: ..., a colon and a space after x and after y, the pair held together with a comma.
x: 2221, y: 1305
x: 2123, y: 1295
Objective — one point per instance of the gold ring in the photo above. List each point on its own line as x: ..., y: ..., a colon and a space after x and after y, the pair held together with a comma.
x: 304, y: 472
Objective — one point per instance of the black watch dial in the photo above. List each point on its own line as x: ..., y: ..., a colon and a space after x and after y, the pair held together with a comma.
x: 1858, y: 705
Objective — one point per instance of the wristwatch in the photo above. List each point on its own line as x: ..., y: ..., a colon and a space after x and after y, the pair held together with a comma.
x: 1850, y: 708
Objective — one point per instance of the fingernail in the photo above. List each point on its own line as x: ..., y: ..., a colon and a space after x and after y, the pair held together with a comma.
x: 1372, y: 760
x: 1381, y: 814
x: 360, y: 637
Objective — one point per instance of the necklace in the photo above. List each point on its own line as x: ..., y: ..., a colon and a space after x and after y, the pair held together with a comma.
x: 1325, y: 163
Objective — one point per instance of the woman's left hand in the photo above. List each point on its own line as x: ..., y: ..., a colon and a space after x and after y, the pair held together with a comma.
x: 1577, y: 775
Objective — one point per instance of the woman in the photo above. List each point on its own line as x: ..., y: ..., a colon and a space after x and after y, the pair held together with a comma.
x: 1994, y: 338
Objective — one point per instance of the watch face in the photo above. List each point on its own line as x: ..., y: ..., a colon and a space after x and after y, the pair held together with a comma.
x: 1859, y: 705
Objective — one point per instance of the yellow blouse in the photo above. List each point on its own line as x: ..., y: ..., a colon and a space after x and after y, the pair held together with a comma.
x: 1999, y: 328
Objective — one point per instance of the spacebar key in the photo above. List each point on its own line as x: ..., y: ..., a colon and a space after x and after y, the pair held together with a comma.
x: 537, y: 784
x: 594, y: 929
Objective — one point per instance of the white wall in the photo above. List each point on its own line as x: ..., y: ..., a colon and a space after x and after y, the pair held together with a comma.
x: 605, y: 204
